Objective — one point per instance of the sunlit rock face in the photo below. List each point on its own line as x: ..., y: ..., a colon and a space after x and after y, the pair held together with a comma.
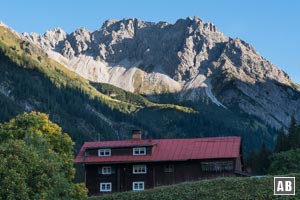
x: 190, y: 57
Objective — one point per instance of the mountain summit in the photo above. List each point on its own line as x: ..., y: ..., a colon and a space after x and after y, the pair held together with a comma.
x: 190, y: 58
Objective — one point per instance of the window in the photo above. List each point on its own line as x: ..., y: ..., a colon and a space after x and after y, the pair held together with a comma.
x: 139, y: 169
x: 105, y: 187
x: 139, y: 151
x: 106, y: 170
x: 217, y: 166
x: 104, y: 152
x: 137, y: 186
x: 169, y: 168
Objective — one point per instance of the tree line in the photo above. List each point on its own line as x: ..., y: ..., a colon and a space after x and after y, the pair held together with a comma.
x: 285, y: 157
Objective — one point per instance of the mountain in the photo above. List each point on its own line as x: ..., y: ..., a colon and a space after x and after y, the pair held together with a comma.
x: 30, y: 81
x: 172, y: 80
x: 190, y: 59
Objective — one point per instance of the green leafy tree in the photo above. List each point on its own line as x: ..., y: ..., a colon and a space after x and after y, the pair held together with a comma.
x: 36, y: 160
x: 285, y: 162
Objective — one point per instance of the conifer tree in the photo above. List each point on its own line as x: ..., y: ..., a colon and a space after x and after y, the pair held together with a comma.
x: 251, y: 162
x: 282, y: 143
x: 263, y: 160
x: 293, y: 136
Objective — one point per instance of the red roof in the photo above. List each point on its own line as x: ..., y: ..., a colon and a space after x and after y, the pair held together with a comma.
x: 166, y: 150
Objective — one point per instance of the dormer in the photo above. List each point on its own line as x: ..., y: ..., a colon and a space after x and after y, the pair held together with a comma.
x: 136, y: 146
x: 139, y: 150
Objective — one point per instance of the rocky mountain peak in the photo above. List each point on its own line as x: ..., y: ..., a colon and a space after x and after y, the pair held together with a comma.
x: 249, y: 66
x: 116, y: 25
x: 79, y: 41
x: 181, y: 50
x: 187, y: 57
x: 50, y: 40
x: 56, y: 33
x: 55, y: 36
x: 122, y: 28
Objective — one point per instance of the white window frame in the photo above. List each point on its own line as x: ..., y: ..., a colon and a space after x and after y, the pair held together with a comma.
x: 106, y: 170
x: 140, y: 183
x: 139, y: 150
x: 104, y: 152
x: 105, y: 185
x: 139, y: 169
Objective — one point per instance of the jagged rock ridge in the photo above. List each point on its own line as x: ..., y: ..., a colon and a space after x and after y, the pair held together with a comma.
x: 190, y: 57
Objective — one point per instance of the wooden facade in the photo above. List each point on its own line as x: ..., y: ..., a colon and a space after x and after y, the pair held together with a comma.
x: 156, y: 175
x: 115, y: 167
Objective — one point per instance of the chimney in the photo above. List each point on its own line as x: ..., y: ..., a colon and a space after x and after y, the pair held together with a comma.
x: 136, y: 134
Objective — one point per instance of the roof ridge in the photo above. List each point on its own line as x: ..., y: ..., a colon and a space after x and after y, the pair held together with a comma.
x: 151, y: 140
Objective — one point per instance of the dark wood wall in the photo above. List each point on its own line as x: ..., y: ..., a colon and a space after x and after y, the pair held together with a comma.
x: 187, y: 171
x: 121, y: 179
x: 123, y: 176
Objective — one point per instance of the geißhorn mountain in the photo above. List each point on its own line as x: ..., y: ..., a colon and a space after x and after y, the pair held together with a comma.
x: 190, y: 59
x: 185, y: 79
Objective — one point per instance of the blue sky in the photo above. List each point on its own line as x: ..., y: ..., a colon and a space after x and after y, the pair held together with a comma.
x: 272, y: 27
